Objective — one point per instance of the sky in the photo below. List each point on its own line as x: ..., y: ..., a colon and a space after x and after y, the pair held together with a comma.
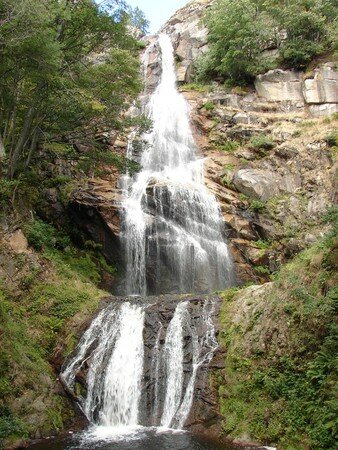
x: 157, y: 11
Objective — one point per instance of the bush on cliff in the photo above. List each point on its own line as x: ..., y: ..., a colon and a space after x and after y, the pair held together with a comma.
x: 240, y: 30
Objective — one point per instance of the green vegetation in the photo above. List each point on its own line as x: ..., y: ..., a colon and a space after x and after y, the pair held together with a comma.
x: 256, y: 205
x: 229, y: 146
x: 209, y: 106
x: 51, y: 89
x: 241, y: 29
x: 332, y: 139
x: 280, y: 367
x: 36, y: 318
x: 261, y: 142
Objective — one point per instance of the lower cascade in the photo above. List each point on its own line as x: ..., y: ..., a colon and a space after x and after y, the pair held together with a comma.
x: 138, y: 362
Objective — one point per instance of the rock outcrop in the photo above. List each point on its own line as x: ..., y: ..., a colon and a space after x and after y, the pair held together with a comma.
x: 96, y: 209
x: 319, y: 92
x: 189, y: 36
x: 273, y: 173
x: 280, y: 85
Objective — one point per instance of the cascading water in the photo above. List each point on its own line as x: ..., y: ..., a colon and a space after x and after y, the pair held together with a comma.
x: 139, y: 362
x: 172, y: 225
x: 112, y: 355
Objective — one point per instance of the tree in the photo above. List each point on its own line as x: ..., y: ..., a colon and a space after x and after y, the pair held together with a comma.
x: 241, y: 29
x: 237, y: 35
x: 139, y: 20
x: 53, y: 86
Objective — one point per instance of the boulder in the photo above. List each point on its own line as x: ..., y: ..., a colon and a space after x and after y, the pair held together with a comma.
x: 183, y: 73
x: 17, y: 242
x: 257, y: 184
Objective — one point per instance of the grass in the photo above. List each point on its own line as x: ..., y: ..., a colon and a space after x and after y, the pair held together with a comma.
x: 280, y: 370
x: 55, y: 291
x: 197, y: 87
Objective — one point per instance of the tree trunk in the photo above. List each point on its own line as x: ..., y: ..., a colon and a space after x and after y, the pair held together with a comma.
x: 2, y: 148
x: 21, y: 141
x: 33, y: 145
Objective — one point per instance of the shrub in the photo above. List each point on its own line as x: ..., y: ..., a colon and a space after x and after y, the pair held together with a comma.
x: 241, y: 29
x: 332, y: 139
x: 261, y: 142
x: 230, y: 146
x: 209, y: 106
x: 256, y: 205
x: 40, y: 234
x: 10, y: 425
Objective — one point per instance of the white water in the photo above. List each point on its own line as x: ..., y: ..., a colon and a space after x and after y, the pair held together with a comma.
x: 111, y: 352
x: 173, y: 224
x: 173, y: 354
x: 116, y: 366
x: 171, y: 221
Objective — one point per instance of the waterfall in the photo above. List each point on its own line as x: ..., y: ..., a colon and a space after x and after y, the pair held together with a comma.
x: 111, y: 358
x: 137, y: 364
x: 172, y: 231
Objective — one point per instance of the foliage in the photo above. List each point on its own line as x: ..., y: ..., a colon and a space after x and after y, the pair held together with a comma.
x: 10, y: 425
x: 209, y: 106
x: 51, y: 87
x: 35, y: 319
x: 57, y: 247
x: 229, y: 146
x: 257, y: 205
x: 236, y: 36
x: 262, y: 244
x: 332, y: 139
x: 261, y: 142
x: 307, y: 33
x: 240, y: 30
x: 40, y: 234
x: 278, y: 390
x: 138, y: 20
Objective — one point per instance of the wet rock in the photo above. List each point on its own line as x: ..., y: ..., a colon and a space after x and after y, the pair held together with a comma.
x: 95, y: 208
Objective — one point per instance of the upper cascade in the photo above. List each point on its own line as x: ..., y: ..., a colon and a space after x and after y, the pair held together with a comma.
x: 172, y: 231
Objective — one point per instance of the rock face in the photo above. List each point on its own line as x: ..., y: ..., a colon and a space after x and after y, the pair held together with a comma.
x: 189, y: 36
x: 319, y: 93
x: 258, y: 184
x: 272, y: 173
x: 280, y: 85
x: 95, y: 208
x: 323, y: 87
